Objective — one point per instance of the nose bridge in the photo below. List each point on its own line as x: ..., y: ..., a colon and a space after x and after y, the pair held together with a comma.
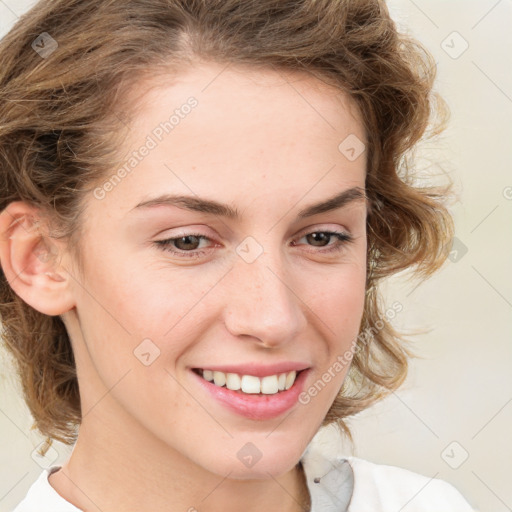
x: 260, y: 301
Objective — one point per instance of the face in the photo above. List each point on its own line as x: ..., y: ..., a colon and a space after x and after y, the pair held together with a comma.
x: 169, y: 288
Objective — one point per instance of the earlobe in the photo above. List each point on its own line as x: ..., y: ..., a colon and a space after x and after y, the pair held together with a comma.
x: 29, y: 260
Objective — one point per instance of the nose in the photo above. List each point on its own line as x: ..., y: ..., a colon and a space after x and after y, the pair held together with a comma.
x: 261, y: 302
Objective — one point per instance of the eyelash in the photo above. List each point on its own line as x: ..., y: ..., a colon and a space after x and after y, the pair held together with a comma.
x: 165, y: 245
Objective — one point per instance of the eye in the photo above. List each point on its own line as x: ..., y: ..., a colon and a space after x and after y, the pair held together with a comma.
x: 187, y: 245
x: 183, y: 243
x: 319, y: 237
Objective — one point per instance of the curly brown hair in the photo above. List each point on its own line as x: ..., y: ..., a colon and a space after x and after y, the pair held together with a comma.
x: 61, y: 119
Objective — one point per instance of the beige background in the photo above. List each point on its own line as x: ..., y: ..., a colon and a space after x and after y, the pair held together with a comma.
x: 452, y: 418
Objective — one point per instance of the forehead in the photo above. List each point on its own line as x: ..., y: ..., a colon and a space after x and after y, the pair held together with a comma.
x: 251, y: 133
x: 241, y: 96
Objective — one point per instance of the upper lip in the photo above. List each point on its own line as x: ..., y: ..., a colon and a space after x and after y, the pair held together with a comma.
x: 257, y: 370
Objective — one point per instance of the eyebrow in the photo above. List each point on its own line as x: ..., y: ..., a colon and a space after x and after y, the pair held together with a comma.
x: 198, y: 204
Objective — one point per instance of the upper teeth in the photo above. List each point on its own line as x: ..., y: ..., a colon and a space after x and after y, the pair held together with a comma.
x: 268, y: 385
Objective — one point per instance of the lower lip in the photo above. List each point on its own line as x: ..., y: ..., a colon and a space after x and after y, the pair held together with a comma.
x: 256, y: 406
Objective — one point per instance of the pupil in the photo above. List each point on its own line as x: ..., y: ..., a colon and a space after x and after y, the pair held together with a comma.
x: 179, y: 240
x: 320, y: 235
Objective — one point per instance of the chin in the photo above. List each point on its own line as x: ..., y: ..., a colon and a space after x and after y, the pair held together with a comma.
x: 253, y: 464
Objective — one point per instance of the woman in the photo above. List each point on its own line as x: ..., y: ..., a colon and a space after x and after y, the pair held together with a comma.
x: 200, y: 199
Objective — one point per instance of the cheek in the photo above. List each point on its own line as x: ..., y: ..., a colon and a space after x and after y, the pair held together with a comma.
x: 337, y: 318
x: 143, y: 297
x: 338, y: 307
x: 339, y: 292
x: 142, y: 314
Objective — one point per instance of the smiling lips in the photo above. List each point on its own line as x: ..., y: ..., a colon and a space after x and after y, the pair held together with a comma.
x: 253, y: 378
x: 258, y: 397
x: 251, y: 384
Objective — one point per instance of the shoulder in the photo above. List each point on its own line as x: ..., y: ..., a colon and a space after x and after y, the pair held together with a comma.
x: 351, y: 484
x: 382, y: 487
x: 42, y: 497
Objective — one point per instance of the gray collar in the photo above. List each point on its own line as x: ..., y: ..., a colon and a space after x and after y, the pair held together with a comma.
x: 330, y: 481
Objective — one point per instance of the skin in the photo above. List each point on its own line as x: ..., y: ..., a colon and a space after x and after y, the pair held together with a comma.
x: 265, y: 142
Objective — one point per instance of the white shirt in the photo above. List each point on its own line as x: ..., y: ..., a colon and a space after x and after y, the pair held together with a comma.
x: 334, y: 484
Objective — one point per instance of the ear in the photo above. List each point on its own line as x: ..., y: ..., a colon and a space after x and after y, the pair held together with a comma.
x: 30, y: 260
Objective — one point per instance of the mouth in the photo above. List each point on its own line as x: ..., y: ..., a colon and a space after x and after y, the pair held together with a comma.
x: 250, y: 384
x: 256, y: 398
